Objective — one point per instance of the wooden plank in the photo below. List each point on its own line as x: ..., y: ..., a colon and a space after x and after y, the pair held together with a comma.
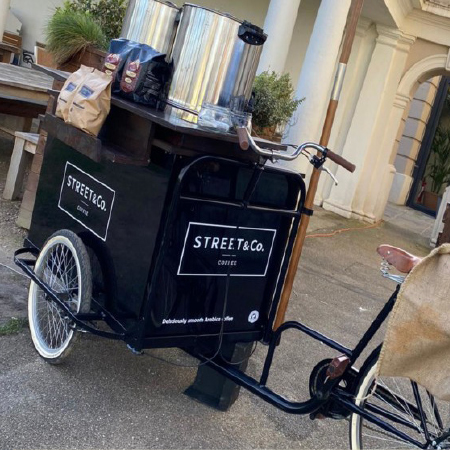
x: 30, y: 147
x: 24, y: 78
x: 5, y: 56
x: 86, y: 144
x: 9, y: 48
x: 30, y: 137
x: 41, y: 143
x: 59, y: 75
x: 23, y: 93
x: 28, y: 200
x: 16, y: 171
x: 36, y: 165
x: 33, y: 181
x: 12, y: 39
x: 21, y: 107
x: 24, y: 218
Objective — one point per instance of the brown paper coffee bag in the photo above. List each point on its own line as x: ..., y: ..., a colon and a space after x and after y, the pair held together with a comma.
x: 91, y: 103
x: 69, y: 89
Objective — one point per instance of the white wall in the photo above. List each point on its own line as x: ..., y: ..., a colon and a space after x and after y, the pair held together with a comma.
x: 34, y: 15
x: 253, y: 11
x: 307, y: 13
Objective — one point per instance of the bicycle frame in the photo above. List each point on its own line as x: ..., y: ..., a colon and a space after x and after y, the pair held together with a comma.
x: 331, y: 389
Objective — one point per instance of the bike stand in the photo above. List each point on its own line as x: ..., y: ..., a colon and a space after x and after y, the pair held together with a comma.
x: 215, y: 390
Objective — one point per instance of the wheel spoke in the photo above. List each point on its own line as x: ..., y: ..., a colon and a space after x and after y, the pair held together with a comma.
x: 396, y: 402
x: 59, y: 267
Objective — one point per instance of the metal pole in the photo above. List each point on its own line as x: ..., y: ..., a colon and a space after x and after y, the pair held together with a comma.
x: 352, y: 21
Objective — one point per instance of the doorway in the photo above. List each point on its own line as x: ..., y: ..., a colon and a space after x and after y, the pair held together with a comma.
x: 432, y: 170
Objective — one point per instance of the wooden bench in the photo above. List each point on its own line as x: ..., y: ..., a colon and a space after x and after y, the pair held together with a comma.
x: 24, y: 147
x: 6, y: 51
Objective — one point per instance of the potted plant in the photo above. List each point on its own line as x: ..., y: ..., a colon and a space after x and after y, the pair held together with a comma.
x: 274, y: 104
x: 74, y: 38
x: 439, y: 167
x: 109, y: 14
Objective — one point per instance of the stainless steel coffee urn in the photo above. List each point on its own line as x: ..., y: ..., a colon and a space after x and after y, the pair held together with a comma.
x: 215, y: 58
x: 151, y: 22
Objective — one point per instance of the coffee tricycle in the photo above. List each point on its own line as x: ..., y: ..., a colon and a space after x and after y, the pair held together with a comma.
x: 193, y: 251
x: 160, y: 234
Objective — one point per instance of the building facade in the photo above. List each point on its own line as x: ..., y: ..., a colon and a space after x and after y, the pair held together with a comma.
x: 401, y: 49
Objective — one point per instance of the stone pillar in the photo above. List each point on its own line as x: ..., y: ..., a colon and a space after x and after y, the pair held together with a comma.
x: 279, y: 26
x: 394, y: 106
x: 354, y: 78
x: 4, y: 10
x: 316, y: 77
x: 370, y: 120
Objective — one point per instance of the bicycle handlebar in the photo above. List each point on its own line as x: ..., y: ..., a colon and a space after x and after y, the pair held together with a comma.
x: 246, y: 141
x: 340, y: 161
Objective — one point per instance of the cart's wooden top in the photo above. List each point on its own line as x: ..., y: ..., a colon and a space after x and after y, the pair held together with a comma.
x: 164, y: 118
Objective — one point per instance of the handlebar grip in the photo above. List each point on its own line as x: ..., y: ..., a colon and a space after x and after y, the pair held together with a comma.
x: 338, y: 159
x: 243, y: 138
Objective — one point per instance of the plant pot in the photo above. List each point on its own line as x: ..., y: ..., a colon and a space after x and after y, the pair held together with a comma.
x: 91, y: 57
x: 269, y: 133
x: 430, y: 200
x: 44, y: 58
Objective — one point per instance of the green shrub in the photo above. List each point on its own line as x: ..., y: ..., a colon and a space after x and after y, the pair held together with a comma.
x: 70, y: 32
x: 439, y: 170
x: 274, y: 100
x: 109, y: 14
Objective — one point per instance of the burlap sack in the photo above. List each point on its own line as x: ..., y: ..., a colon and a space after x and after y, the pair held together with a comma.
x: 69, y: 89
x: 417, y: 342
x: 91, y: 103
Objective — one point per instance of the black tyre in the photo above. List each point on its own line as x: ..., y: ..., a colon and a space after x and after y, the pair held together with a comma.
x: 64, y: 265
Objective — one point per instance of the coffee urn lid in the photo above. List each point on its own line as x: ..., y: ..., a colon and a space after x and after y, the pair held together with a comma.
x: 215, y: 11
x: 167, y: 3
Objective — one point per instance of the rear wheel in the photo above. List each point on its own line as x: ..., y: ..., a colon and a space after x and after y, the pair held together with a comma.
x: 404, y: 405
x: 63, y: 264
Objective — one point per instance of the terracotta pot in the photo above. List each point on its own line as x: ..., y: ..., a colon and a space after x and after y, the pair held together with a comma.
x: 268, y: 133
x: 91, y: 57
x: 430, y: 200
x: 45, y: 58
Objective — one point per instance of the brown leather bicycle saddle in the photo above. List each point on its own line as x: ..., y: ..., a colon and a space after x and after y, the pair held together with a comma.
x: 400, y: 259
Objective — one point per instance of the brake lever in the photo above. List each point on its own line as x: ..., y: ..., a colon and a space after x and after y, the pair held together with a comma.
x: 329, y: 172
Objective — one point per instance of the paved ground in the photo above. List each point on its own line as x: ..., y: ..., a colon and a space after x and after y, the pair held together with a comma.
x: 105, y: 397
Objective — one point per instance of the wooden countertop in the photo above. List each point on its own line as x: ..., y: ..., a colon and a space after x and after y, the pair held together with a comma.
x: 165, y: 118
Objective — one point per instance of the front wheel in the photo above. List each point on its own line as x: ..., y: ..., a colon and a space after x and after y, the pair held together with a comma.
x: 63, y: 264
x: 420, y: 420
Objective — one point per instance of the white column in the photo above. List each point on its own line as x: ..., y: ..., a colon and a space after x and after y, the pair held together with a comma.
x: 354, y: 78
x: 369, y: 123
x: 279, y: 26
x: 392, y: 110
x: 317, y: 75
x: 4, y: 10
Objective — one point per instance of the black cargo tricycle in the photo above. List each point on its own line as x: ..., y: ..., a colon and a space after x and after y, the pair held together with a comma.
x: 190, y: 249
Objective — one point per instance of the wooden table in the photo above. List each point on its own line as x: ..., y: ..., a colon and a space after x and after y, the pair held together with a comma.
x: 23, y: 92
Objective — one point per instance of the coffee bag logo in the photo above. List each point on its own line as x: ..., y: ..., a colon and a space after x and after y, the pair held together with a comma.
x: 87, y: 200
x: 253, y: 316
x: 221, y: 250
